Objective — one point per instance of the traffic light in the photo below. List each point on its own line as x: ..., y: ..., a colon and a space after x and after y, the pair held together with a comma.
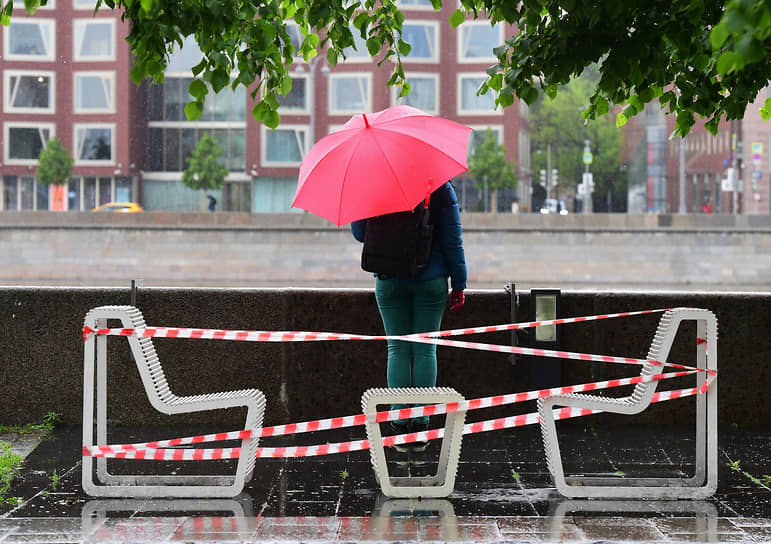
x: 543, y: 178
x: 554, y: 176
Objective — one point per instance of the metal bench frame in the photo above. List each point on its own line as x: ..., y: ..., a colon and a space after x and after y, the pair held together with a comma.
x: 704, y: 481
x: 443, y: 482
x: 101, y: 482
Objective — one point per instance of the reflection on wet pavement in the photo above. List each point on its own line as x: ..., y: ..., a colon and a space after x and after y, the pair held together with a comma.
x: 503, y: 492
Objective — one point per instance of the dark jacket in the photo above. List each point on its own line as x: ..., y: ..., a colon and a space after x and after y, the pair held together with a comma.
x: 447, y: 256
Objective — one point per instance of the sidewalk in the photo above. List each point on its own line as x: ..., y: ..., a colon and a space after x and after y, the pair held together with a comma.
x: 503, y: 493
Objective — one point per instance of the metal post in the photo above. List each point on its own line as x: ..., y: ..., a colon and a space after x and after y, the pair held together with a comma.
x: 548, y: 170
x: 734, y: 124
x: 681, y: 205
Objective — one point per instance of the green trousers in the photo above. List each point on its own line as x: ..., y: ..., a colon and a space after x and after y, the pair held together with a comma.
x: 408, y: 307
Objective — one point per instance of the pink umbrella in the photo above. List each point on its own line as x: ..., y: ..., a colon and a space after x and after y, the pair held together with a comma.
x: 380, y: 163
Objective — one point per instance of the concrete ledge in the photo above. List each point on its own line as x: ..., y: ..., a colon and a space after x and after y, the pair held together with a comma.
x: 307, y: 220
x: 42, y: 348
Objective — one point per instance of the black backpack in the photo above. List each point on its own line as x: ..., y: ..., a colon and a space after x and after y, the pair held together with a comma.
x: 398, y: 244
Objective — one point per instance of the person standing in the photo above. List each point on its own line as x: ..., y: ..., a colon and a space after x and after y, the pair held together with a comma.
x: 413, y: 305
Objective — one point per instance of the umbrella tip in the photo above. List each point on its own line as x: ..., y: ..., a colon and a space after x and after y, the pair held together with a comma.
x: 364, y: 115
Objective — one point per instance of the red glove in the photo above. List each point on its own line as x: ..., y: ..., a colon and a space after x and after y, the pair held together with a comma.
x: 457, y: 300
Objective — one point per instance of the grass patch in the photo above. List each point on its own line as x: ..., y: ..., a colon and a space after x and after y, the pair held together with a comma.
x: 50, y: 421
x: 9, y: 466
x: 10, y: 462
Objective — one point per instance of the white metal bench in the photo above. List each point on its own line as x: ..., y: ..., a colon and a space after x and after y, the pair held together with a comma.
x: 440, y: 484
x: 101, y: 482
x: 704, y: 481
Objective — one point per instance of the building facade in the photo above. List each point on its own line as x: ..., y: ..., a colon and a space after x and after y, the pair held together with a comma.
x: 66, y: 74
x: 702, y: 173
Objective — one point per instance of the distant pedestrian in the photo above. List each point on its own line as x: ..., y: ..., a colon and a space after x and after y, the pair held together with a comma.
x: 707, y: 208
x: 212, y: 203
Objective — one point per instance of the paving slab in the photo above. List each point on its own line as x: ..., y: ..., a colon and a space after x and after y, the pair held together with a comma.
x: 503, y: 493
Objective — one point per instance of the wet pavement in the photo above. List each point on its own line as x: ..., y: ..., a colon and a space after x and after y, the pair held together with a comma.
x: 503, y: 493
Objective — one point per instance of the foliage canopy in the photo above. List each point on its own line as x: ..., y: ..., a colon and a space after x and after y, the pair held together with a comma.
x: 488, y: 164
x: 557, y: 127
x: 204, y: 170
x: 706, y: 58
x: 54, y: 163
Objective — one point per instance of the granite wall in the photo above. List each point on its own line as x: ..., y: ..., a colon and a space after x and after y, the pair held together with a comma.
x: 41, y: 361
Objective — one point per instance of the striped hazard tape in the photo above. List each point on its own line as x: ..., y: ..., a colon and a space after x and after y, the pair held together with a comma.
x: 159, y: 450
x: 306, y: 336
x: 132, y: 450
x: 129, y: 451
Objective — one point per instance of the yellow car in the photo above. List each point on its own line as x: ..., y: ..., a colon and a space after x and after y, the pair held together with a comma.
x: 121, y: 207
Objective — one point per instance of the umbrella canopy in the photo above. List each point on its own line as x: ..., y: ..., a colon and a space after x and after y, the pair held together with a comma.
x: 380, y: 163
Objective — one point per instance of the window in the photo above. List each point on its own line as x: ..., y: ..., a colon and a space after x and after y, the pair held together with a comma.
x: 170, y: 147
x: 94, y: 143
x: 23, y: 193
x: 476, y: 41
x: 424, y: 92
x: 523, y: 159
x: 416, y: 4
x: 468, y: 100
x: 29, y: 91
x: 30, y: 40
x: 358, y: 52
x: 423, y: 37
x: 94, y: 40
x: 479, y: 133
x: 182, y: 60
x: 284, y: 146
x: 296, y: 100
x: 84, y: 4
x: 94, y: 92
x: 349, y: 93
x: 166, y: 102
x: 524, y: 110
x: 296, y: 36
x: 24, y: 141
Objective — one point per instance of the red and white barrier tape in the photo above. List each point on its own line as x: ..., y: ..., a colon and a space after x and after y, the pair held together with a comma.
x: 406, y: 413
x: 435, y: 337
x: 158, y: 454
x: 306, y: 336
x: 155, y: 450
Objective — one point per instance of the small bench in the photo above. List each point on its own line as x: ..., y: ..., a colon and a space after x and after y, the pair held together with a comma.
x: 101, y: 482
x: 704, y: 481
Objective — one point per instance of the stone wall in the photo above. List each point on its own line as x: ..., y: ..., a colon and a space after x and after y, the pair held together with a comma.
x: 249, y: 250
x: 41, y: 366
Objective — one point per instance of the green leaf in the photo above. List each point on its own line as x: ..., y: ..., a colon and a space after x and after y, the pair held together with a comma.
x: 373, y: 46
x: 718, y: 35
x: 286, y: 85
x: 621, y: 120
x: 271, y: 118
x: 404, y: 48
x: 457, y: 18
x: 5, y: 15
x: 727, y: 62
x: 765, y: 111
x: 602, y: 106
x: 137, y: 73
x: 332, y: 57
x: 505, y: 99
x: 193, y: 110
x: 220, y: 80
x: 147, y: 5
x: 529, y: 95
x: 197, y: 89
x: 31, y: 6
